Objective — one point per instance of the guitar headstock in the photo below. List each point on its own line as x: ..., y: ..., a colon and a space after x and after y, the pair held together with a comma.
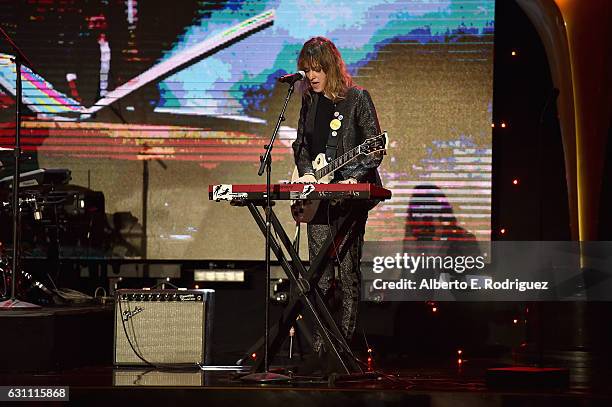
x: 375, y: 144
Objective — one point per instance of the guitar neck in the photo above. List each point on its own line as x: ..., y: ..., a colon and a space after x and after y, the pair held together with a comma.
x: 337, y: 163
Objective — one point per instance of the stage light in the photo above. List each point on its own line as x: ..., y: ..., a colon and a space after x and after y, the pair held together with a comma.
x: 253, y: 355
x: 515, y: 181
x: 502, y: 231
x: 515, y: 321
x: 369, y: 350
x: 459, y: 352
x: 197, y: 287
x: 434, y: 309
x: 514, y: 53
x: 503, y: 125
x: 492, y: 124
x: 459, y: 361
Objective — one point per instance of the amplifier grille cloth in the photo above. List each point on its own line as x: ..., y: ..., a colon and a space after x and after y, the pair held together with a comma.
x: 162, y: 332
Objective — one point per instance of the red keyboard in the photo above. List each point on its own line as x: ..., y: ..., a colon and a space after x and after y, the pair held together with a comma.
x: 257, y: 192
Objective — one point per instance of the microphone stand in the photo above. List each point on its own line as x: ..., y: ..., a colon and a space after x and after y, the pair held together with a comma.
x: 13, y: 302
x: 266, y: 164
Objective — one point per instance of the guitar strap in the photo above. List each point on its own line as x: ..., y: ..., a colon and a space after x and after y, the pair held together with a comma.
x: 331, y: 149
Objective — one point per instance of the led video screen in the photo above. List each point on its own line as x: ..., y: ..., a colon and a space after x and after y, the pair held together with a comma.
x: 149, y: 102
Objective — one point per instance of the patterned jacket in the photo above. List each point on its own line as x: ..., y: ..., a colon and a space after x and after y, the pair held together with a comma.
x: 359, y: 121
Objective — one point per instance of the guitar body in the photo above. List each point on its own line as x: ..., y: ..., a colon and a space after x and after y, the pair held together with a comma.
x: 304, y: 211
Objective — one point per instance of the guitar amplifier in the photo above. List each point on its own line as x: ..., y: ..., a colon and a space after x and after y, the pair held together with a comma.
x: 163, y: 327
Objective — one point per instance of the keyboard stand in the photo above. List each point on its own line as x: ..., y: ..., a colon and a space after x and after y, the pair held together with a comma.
x: 304, y: 282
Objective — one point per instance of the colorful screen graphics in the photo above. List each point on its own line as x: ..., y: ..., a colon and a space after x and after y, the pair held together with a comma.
x: 149, y: 102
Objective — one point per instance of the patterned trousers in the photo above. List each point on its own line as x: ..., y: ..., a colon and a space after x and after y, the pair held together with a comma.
x: 342, y: 303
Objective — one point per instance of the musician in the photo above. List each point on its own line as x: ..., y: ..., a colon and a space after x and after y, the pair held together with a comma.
x: 334, y: 108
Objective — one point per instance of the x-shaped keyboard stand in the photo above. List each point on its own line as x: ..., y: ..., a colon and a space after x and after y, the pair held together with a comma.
x: 305, y: 282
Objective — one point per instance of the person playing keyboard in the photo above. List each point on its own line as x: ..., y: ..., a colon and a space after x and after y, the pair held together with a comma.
x: 335, y: 117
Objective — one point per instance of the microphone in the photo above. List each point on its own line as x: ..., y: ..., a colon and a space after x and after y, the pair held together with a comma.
x: 292, y: 77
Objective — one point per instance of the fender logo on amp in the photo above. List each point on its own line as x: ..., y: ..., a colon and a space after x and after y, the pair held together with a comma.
x: 130, y: 313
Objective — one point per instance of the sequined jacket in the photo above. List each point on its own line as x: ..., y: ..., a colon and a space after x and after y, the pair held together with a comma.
x: 359, y: 121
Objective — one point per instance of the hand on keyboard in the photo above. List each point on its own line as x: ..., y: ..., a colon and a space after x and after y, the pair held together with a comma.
x: 306, y: 179
x: 348, y: 181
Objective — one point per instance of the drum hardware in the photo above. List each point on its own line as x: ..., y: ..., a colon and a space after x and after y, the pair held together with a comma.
x: 51, y: 210
x: 25, y: 284
x: 18, y: 59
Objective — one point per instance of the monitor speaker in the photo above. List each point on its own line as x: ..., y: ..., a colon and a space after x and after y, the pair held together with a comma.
x: 163, y: 327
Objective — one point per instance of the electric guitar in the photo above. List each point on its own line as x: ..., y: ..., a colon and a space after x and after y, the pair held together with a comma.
x: 304, y: 210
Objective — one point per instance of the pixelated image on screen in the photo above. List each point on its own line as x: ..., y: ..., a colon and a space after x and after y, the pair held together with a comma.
x: 148, y: 103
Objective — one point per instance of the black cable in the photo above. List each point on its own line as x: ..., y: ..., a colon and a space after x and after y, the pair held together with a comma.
x: 136, y: 381
x: 4, y: 283
x: 127, y: 336
x: 50, y: 279
x: 359, y: 361
x: 365, y: 339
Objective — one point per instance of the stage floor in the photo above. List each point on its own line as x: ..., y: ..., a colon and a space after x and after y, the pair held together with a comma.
x: 72, y: 346
x: 419, y: 384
